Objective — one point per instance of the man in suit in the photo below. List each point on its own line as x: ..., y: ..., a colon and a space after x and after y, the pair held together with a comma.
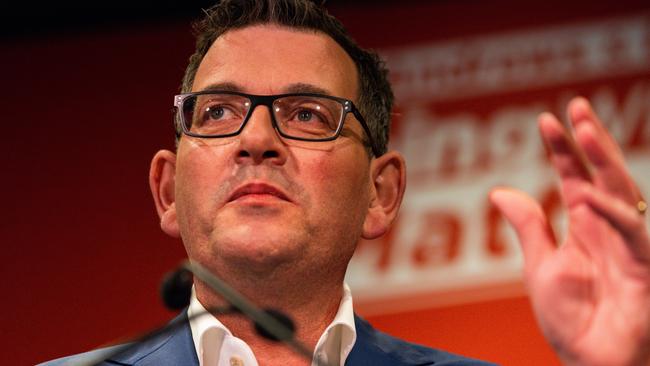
x: 282, y: 166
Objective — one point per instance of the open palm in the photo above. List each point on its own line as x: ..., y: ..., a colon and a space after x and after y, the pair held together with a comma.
x: 590, y: 293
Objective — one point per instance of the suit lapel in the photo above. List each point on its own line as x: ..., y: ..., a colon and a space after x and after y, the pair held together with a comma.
x: 367, y: 350
x: 172, y: 347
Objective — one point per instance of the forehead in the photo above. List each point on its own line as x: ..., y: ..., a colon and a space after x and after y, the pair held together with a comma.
x: 268, y: 59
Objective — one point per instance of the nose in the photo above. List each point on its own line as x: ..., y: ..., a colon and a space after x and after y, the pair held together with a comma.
x: 259, y: 142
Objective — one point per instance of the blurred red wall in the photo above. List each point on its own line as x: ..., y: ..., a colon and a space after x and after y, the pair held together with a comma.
x: 82, y: 116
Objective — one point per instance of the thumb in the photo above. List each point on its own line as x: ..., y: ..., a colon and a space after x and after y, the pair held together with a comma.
x: 530, y: 223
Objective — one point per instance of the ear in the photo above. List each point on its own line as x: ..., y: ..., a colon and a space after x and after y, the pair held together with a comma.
x: 161, y: 181
x: 388, y: 174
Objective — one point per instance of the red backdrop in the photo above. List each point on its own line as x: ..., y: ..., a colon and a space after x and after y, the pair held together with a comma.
x: 82, y: 116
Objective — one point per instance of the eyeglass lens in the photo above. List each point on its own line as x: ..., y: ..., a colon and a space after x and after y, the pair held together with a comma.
x: 305, y: 117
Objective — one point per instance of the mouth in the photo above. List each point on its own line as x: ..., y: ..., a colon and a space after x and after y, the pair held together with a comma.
x: 258, y: 190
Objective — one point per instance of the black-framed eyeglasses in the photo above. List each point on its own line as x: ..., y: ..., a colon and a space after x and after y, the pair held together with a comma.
x: 297, y: 116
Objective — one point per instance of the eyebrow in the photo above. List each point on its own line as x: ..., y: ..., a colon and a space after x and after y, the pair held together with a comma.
x: 291, y: 88
x: 306, y: 88
x: 224, y: 86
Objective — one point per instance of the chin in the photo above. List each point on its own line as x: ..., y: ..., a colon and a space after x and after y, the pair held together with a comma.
x: 257, y: 250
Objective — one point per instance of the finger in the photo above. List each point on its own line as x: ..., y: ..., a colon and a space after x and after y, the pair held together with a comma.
x: 623, y: 217
x: 567, y: 159
x: 580, y: 112
x: 609, y: 170
x: 529, y: 221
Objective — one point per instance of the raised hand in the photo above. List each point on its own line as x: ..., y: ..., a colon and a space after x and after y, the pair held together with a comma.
x: 590, y: 293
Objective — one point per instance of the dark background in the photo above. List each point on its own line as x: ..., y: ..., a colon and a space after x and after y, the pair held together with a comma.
x: 86, y: 102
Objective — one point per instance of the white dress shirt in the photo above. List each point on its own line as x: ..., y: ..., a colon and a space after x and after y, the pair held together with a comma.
x: 216, y: 345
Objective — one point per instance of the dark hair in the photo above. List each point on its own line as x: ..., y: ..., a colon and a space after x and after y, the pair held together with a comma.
x: 375, y: 93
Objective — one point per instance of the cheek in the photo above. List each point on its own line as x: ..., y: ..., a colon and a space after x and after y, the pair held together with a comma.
x: 198, y: 173
x: 341, y: 206
x: 341, y: 188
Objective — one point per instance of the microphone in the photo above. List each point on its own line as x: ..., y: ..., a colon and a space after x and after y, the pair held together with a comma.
x: 282, y: 318
x: 176, y: 290
x: 270, y: 323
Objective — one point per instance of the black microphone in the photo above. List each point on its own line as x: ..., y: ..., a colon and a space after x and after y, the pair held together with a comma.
x: 272, y: 324
x: 105, y: 354
x: 282, y: 318
x: 176, y: 291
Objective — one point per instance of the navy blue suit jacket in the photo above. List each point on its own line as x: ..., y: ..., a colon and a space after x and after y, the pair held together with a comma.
x: 176, y: 347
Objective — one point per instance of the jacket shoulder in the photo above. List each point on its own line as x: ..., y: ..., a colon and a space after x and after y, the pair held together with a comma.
x: 374, y: 347
x: 94, y: 357
x: 172, y: 345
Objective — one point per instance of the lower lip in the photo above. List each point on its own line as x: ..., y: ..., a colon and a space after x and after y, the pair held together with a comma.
x: 258, y: 198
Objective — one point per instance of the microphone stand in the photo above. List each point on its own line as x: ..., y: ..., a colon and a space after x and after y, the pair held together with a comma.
x: 272, y: 326
x: 113, y: 351
x: 261, y: 318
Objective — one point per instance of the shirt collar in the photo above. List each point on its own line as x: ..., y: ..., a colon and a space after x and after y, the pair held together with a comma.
x: 206, y: 330
x: 336, y: 342
x: 332, y: 349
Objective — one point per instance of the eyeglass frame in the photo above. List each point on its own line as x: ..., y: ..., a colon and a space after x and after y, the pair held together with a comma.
x: 267, y: 100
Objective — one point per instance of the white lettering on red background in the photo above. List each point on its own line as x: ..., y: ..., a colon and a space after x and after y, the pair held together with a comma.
x: 521, y: 60
x: 469, y: 124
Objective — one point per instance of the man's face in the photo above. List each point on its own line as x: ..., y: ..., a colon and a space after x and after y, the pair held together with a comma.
x: 259, y: 200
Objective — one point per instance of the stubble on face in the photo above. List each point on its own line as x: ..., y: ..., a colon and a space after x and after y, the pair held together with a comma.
x: 328, y: 187
x: 244, y: 233
x: 217, y: 229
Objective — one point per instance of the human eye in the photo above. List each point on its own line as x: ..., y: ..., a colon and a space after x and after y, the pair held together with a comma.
x: 216, y: 111
x: 218, y: 114
x: 308, y: 113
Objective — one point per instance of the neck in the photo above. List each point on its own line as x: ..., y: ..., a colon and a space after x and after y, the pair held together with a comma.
x: 310, y: 303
